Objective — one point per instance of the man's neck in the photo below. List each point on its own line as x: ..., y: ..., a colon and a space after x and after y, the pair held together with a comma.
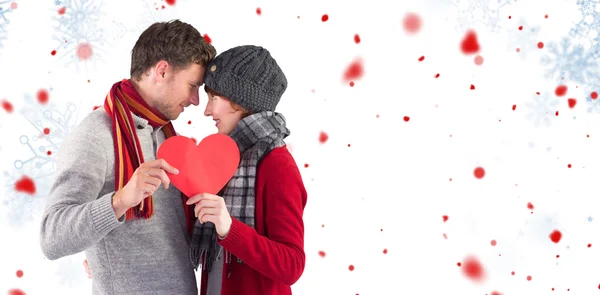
x: 140, y: 88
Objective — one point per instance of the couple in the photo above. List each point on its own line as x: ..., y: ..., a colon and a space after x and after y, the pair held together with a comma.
x: 112, y: 198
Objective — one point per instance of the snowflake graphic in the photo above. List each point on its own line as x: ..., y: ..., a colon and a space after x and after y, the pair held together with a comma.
x: 541, y: 109
x: 483, y: 12
x: 70, y: 272
x: 40, y: 165
x: 5, y: 8
x: 570, y: 62
x: 79, y: 38
x: 589, y: 24
x: 148, y: 13
x: 525, y: 40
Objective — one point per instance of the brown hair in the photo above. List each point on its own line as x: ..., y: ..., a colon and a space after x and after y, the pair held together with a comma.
x: 176, y: 42
x: 235, y: 106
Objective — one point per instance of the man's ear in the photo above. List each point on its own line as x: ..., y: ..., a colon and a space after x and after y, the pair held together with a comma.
x: 160, y: 69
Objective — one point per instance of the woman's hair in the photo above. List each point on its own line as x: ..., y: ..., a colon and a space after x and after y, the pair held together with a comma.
x: 234, y: 105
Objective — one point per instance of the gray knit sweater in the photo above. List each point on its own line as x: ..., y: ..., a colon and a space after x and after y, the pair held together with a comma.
x: 125, y: 257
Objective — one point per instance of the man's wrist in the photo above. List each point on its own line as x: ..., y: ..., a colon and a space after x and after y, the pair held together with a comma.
x: 118, y: 207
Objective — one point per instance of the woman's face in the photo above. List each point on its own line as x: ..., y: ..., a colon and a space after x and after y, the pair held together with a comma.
x: 224, y: 115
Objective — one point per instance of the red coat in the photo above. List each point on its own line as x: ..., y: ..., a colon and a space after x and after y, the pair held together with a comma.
x: 273, y: 253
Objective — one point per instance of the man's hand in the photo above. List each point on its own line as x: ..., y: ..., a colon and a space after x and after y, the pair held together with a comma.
x: 211, y: 208
x: 87, y: 269
x: 144, y: 182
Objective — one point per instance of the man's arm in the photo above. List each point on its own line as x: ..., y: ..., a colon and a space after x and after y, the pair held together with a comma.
x: 76, y: 217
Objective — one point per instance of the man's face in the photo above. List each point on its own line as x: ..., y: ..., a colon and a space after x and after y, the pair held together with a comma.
x: 178, y: 90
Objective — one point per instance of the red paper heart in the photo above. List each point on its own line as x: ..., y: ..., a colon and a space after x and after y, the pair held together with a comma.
x: 204, y: 168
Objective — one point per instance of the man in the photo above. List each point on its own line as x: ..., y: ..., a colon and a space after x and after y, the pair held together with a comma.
x: 111, y: 197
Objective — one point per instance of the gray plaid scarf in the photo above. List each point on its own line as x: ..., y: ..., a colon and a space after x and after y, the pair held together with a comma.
x: 256, y: 135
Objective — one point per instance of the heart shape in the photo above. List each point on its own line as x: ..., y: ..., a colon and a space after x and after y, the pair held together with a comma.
x: 203, y: 168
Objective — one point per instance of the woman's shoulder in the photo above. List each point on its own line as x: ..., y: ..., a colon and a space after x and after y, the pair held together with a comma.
x: 278, y: 160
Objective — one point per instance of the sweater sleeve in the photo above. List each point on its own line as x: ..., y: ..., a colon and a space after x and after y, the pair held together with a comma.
x: 279, y: 255
x: 76, y: 216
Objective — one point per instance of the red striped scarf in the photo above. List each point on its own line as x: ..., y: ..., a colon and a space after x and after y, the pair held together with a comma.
x: 120, y: 103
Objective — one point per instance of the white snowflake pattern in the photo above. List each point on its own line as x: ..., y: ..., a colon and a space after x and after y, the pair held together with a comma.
x: 70, y: 272
x: 589, y: 25
x: 482, y: 12
x: 525, y: 40
x: 569, y: 62
x: 149, y: 12
x: 5, y: 8
x: 80, y: 39
x: 541, y: 109
x: 20, y: 207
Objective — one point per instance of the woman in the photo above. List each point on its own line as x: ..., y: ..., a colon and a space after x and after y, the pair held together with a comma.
x: 250, y: 239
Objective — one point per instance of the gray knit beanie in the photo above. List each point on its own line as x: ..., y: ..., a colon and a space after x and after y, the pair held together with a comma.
x: 248, y: 76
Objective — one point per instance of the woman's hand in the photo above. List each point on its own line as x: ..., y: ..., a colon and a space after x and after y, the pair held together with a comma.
x: 211, y: 208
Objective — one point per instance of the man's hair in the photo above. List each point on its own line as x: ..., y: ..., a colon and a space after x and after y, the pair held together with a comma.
x: 176, y: 42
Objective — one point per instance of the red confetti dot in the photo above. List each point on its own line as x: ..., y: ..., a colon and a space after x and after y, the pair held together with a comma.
x: 520, y: 28
x: 557, y: 256
x: 7, y: 106
x: 540, y: 45
x: 412, y: 23
x: 560, y: 90
x: 472, y: 87
x: 49, y: 153
x: 305, y: 165
x: 207, y: 38
x: 589, y: 245
x: 258, y: 11
x: 445, y: 218
x: 479, y: 172
x: 445, y: 236
x: 356, y: 38
x: 53, y: 52
x: 469, y: 43
x: 509, y: 17
x: 518, y: 50
x: 459, y: 264
x: 25, y: 185
x: 556, y: 113
x: 569, y: 166
x: 19, y: 273
x: 555, y: 236
x: 62, y: 10
x: 514, y: 107
x: 384, y: 251
x: 324, y: 18
x: 493, y: 242
x: 42, y: 96
x: 437, y: 75
x: 479, y: 60
x: 322, y: 253
x: 512, y: 273
x: 406, y: 118
x: 529, y: 278
x: 546, y: 16
x: 348, y: 145
x: 530, y: 206
x: 16, y: 292
x: 323, y: 137
x: 473, y: 269
x: 189, y: 122
x: 496, y: 293
x: 14, y: 5
x: 594, y: 95
x: 170, y: 2
x: 354, y: 71
x: 351, y: 84
x: 377, y: 116
x: 572, y: 102
x: 351, y: 267
x: 422, y: 58
x: 46, y: 131
x: 84, y: 51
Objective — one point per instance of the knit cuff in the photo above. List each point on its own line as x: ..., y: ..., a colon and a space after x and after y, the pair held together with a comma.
x: 103, y: 215
x: 234, y: 235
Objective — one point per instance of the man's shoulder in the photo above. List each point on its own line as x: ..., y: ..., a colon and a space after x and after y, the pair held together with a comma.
x: 95, y: 126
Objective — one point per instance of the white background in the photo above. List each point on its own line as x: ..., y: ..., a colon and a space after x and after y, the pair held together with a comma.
x: 391, y: 187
